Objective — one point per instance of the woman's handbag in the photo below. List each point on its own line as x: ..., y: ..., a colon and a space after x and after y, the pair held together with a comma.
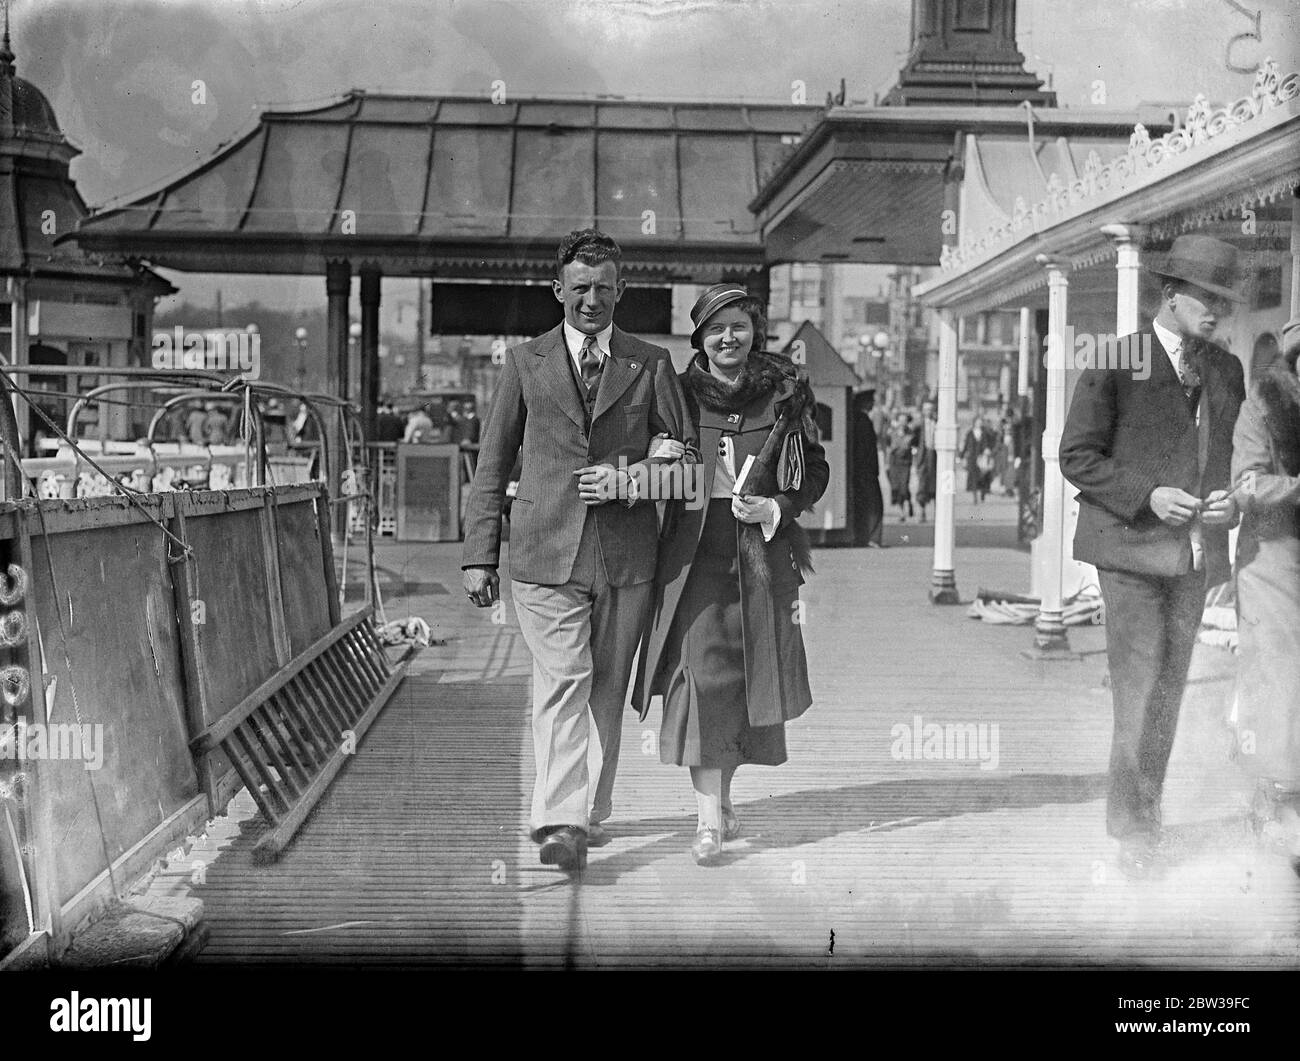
x: 789, y: 466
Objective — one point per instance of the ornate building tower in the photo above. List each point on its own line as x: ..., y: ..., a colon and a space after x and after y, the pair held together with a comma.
x: 58, y: 305
x: 964, y: 52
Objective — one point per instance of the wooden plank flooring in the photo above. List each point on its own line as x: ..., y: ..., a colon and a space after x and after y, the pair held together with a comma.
x: 419, y: 853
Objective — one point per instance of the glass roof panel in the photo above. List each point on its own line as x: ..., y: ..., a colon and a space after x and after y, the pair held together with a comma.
x: 474, y: 112
x: 469, y: 191
x: 300, y: 178
x: 553, y: 186
x: 385, y: 179
x: 634, y: 116
x: 215, y: 199
x: 637, y: 172
x: 717, y: 183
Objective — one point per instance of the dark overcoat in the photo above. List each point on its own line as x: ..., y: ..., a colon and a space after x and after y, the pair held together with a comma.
x: 1126, y: 434
x: 776, y: 669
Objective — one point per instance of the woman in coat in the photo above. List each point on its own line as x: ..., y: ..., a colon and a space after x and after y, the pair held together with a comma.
x: 977, y: 452
x: 1266, y: 471
x: 724, y: 648
x: 902, y: 446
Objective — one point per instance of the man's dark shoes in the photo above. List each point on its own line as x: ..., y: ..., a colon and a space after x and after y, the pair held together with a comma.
x: 566, y: 848
x: 597, y: 835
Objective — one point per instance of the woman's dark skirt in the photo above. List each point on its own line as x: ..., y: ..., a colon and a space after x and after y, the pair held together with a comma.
x: 706, y: 718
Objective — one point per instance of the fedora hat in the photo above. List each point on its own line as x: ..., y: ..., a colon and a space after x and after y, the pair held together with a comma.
x: 1290, y: 338
x: 1203, y: 261
x: 709, y: 302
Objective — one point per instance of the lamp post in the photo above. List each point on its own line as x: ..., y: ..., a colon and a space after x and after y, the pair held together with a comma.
x: 354, y: 345
x: 300, y: 339
x: 880, y: 347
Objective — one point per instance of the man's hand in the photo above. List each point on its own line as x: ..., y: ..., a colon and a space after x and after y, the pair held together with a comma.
x: 1218, y: 509
x: 482, y: 585
x: 1172, y: 506
x: 665, y: 448
x: 599, y: 483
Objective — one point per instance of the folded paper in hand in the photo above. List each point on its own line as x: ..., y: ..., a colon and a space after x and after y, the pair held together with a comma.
x: 739, y: 489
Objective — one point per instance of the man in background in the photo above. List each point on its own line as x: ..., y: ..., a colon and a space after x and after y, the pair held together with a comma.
x: 1150, y: 450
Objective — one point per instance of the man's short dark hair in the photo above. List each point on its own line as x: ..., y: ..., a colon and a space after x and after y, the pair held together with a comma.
x: 589, y: 246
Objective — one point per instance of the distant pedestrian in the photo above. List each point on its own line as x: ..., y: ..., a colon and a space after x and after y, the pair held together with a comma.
x: 419, y: 427
x: 900, y: 455
x: 978, y: 452
x: 868, y: 502
x: 194, y: 422
x: 927, y: 457
x: 215, y: 425
x: 388, y: 424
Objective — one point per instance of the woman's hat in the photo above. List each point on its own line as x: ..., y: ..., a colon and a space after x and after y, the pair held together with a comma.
x: 1209, y: 263
x: 712, y: 300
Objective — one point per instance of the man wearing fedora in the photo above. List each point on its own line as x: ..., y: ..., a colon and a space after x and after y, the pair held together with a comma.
x: 580, y: 405
x: 1151, y: 451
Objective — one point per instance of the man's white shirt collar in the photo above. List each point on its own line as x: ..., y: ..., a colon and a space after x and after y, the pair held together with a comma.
x: 574, y: 339
x: 1171, y: 341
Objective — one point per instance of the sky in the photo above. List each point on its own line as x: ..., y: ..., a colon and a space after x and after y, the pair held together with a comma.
x: 119, y: 73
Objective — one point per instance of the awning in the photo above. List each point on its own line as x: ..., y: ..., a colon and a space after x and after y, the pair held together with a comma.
x: 872, y: 184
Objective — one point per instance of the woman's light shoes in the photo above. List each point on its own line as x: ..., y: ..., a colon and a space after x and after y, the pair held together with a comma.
x: 730, y: 824
x: 707, y: 847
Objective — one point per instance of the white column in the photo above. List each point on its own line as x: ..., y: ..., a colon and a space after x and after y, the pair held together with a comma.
x: 1295, y: 257
x: 1022, y: 372
x: 1049, y: 629
x: 1128, y: 242
x: 943, y: 580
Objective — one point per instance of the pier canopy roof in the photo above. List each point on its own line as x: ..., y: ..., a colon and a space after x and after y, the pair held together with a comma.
x: 463, y: 187
x: 872, y: 184
x: 1231, y: 170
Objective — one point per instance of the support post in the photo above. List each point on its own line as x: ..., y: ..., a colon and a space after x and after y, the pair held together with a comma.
x: 1128, y: 275
x: 1022, y: 367
x: 338, y: 290
x: 1295, y: 254
x: 943, y: 579
x: 1050, y: 638
x: 370, y: 294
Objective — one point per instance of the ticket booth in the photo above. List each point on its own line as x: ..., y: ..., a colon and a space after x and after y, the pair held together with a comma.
x: 832, y: 382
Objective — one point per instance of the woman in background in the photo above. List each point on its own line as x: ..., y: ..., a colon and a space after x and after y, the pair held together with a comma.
x: 1266, y: 474
x: 902, y: 439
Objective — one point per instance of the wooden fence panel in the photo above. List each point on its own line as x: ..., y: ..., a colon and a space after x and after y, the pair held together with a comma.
x: 115, y: 596
x: 302, y: 587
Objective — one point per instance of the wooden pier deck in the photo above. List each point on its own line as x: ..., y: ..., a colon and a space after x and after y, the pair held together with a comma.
x: 851, y: 855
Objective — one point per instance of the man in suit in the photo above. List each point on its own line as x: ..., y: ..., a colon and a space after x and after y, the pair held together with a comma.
x: 581, y: 404
x: 1148, y: 442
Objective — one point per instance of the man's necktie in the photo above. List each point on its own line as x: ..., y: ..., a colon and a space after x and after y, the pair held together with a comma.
x: 589, y: 363
x: 1189, y: 374
x: 1189, y: 369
